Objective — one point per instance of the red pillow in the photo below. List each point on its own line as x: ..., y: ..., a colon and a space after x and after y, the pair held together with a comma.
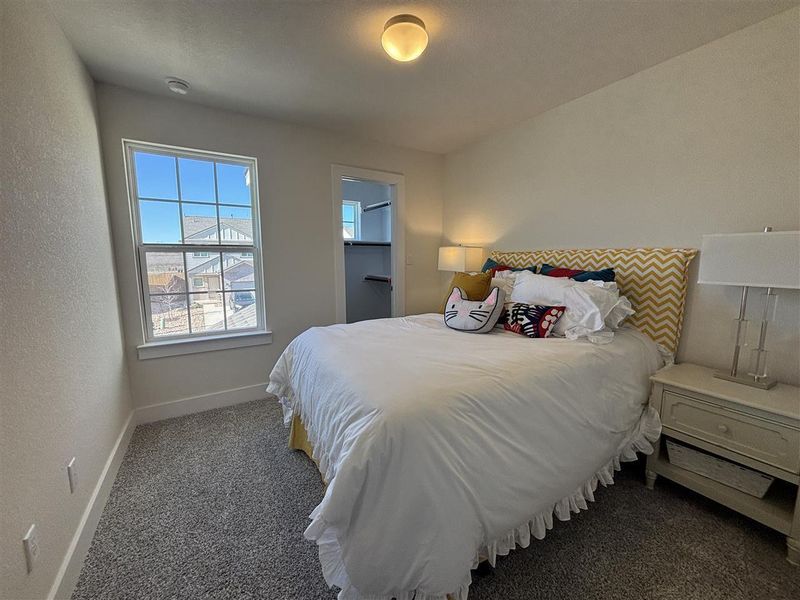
x: 606, y: 274
x: 556, y: 272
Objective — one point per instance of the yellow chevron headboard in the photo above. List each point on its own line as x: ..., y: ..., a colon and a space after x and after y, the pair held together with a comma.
x: 653, y: 279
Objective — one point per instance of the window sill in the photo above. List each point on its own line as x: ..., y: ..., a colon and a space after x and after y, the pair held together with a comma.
x: 203, y: 344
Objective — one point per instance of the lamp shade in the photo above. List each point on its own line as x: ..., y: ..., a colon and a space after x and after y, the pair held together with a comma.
x: 460, y: 258
x: 768, y: 259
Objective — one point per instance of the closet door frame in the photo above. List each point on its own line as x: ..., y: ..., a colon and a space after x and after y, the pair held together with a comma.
x: 398, y: 249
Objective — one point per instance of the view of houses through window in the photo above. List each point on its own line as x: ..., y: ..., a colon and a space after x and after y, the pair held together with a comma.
x: 197, y: 247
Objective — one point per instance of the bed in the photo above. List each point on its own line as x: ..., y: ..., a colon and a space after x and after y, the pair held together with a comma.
x: 441, y: 449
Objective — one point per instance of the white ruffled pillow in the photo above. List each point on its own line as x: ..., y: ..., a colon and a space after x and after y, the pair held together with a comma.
x: 505, y: 283
x: 621, y: 311
x: 591, y: 305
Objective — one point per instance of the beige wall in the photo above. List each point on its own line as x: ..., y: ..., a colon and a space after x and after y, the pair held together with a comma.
x: 294, y: 165
x: 706, y: 142
x: 62, y: 367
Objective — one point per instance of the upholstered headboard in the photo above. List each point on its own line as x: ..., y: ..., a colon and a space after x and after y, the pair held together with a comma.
x: 653, y: 279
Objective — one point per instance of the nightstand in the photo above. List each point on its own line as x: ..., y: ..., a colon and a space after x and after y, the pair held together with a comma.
x: 759, y: 429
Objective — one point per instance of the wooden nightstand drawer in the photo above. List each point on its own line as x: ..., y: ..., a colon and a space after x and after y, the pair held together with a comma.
x: 766, y: 441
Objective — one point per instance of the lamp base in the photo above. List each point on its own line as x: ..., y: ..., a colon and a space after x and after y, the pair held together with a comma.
x: 762, y: 384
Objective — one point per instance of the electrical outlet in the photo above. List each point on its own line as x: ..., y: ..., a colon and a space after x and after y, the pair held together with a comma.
x: 72, y: 475
x: 31, y: 545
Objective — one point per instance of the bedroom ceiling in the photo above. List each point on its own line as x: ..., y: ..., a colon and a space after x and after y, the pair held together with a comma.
x: 489, y: 63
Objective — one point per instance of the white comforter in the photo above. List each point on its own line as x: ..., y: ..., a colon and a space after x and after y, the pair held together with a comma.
x: 441, y: 447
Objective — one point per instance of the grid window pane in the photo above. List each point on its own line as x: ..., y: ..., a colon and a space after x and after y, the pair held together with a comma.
x: 233, y: 183
x: 197, y: 180
x: 241, y: 309
x: 236, y: 225
x: 207, y: 312
x: 239, y: 271
x: 160, y: 222
x: 351, y: 217
x: 165, y: 273
x: 169, y: 315
x: 155, y: 176
x: 204, y: 272
x: 200, y: 224
x: 188, y: 204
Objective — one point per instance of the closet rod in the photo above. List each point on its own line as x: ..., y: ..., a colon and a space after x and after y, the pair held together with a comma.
x: 379, y: 278
x: 377, y: 205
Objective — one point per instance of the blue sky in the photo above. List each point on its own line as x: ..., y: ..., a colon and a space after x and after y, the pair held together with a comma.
x: 156, y: 178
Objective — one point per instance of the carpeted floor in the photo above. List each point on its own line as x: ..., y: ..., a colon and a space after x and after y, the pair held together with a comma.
x: 214, y: 505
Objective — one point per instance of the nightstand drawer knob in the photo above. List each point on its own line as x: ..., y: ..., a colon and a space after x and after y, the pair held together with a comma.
x: 723, y: 428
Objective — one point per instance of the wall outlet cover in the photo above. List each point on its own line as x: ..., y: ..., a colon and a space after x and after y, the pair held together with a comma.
x: 30, y: 543
x: 72, y: 475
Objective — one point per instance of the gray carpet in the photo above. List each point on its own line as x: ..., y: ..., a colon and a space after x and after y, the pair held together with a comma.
x: 214, y: 505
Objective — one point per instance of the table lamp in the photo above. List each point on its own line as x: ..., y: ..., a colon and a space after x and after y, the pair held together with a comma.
x: 768, y: 259
x: 460, y: 258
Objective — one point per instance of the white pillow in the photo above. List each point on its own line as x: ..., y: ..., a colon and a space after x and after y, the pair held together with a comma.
x: 588, y: 303
x: 504, y: 283
x: 621, y: 311
x: 507, y: 274
x: 540, y: 289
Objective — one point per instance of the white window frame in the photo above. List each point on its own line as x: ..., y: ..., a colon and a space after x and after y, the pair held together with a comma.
x: 357, y: 224
x: 157, y: 346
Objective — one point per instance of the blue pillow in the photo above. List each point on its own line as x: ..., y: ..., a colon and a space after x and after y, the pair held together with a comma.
x: 578, y: 275
x: 493, y: 264
x: 489, y: 265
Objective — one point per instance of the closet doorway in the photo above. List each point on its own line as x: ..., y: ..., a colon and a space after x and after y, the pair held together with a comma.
x: 369, y: 240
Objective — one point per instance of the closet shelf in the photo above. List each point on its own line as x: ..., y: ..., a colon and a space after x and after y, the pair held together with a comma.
x: 363, y: 243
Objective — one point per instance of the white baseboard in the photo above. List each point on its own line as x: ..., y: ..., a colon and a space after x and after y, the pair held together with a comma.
x: 70, y: 569
x: 195, y: 404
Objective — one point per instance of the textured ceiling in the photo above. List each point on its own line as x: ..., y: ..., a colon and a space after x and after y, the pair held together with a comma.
x: 489, y: 63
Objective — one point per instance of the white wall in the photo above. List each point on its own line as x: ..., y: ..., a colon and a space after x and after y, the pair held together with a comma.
x: 294, y: 165
x: 62, y: 367
x: 706, y: 142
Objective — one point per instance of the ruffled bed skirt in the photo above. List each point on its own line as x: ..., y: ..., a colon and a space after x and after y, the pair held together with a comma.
x: 641, y: 440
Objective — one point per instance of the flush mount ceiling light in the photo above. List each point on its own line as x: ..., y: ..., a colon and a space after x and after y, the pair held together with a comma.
x: 404, y: 37
x: 179, y: 86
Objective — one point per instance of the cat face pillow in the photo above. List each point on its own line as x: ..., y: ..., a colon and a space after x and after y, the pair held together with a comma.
x: 473, y: 316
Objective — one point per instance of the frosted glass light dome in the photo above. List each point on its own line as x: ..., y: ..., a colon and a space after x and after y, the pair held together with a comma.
x: 404, y: 37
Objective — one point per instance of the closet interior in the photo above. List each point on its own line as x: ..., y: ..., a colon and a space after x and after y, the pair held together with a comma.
x: 367, y: 234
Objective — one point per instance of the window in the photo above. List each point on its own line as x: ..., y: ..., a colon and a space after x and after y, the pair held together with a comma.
x: 197, y: 235
x: 351, y: 220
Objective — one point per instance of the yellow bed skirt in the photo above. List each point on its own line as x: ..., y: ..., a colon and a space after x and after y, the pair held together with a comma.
x: 298, y: 438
